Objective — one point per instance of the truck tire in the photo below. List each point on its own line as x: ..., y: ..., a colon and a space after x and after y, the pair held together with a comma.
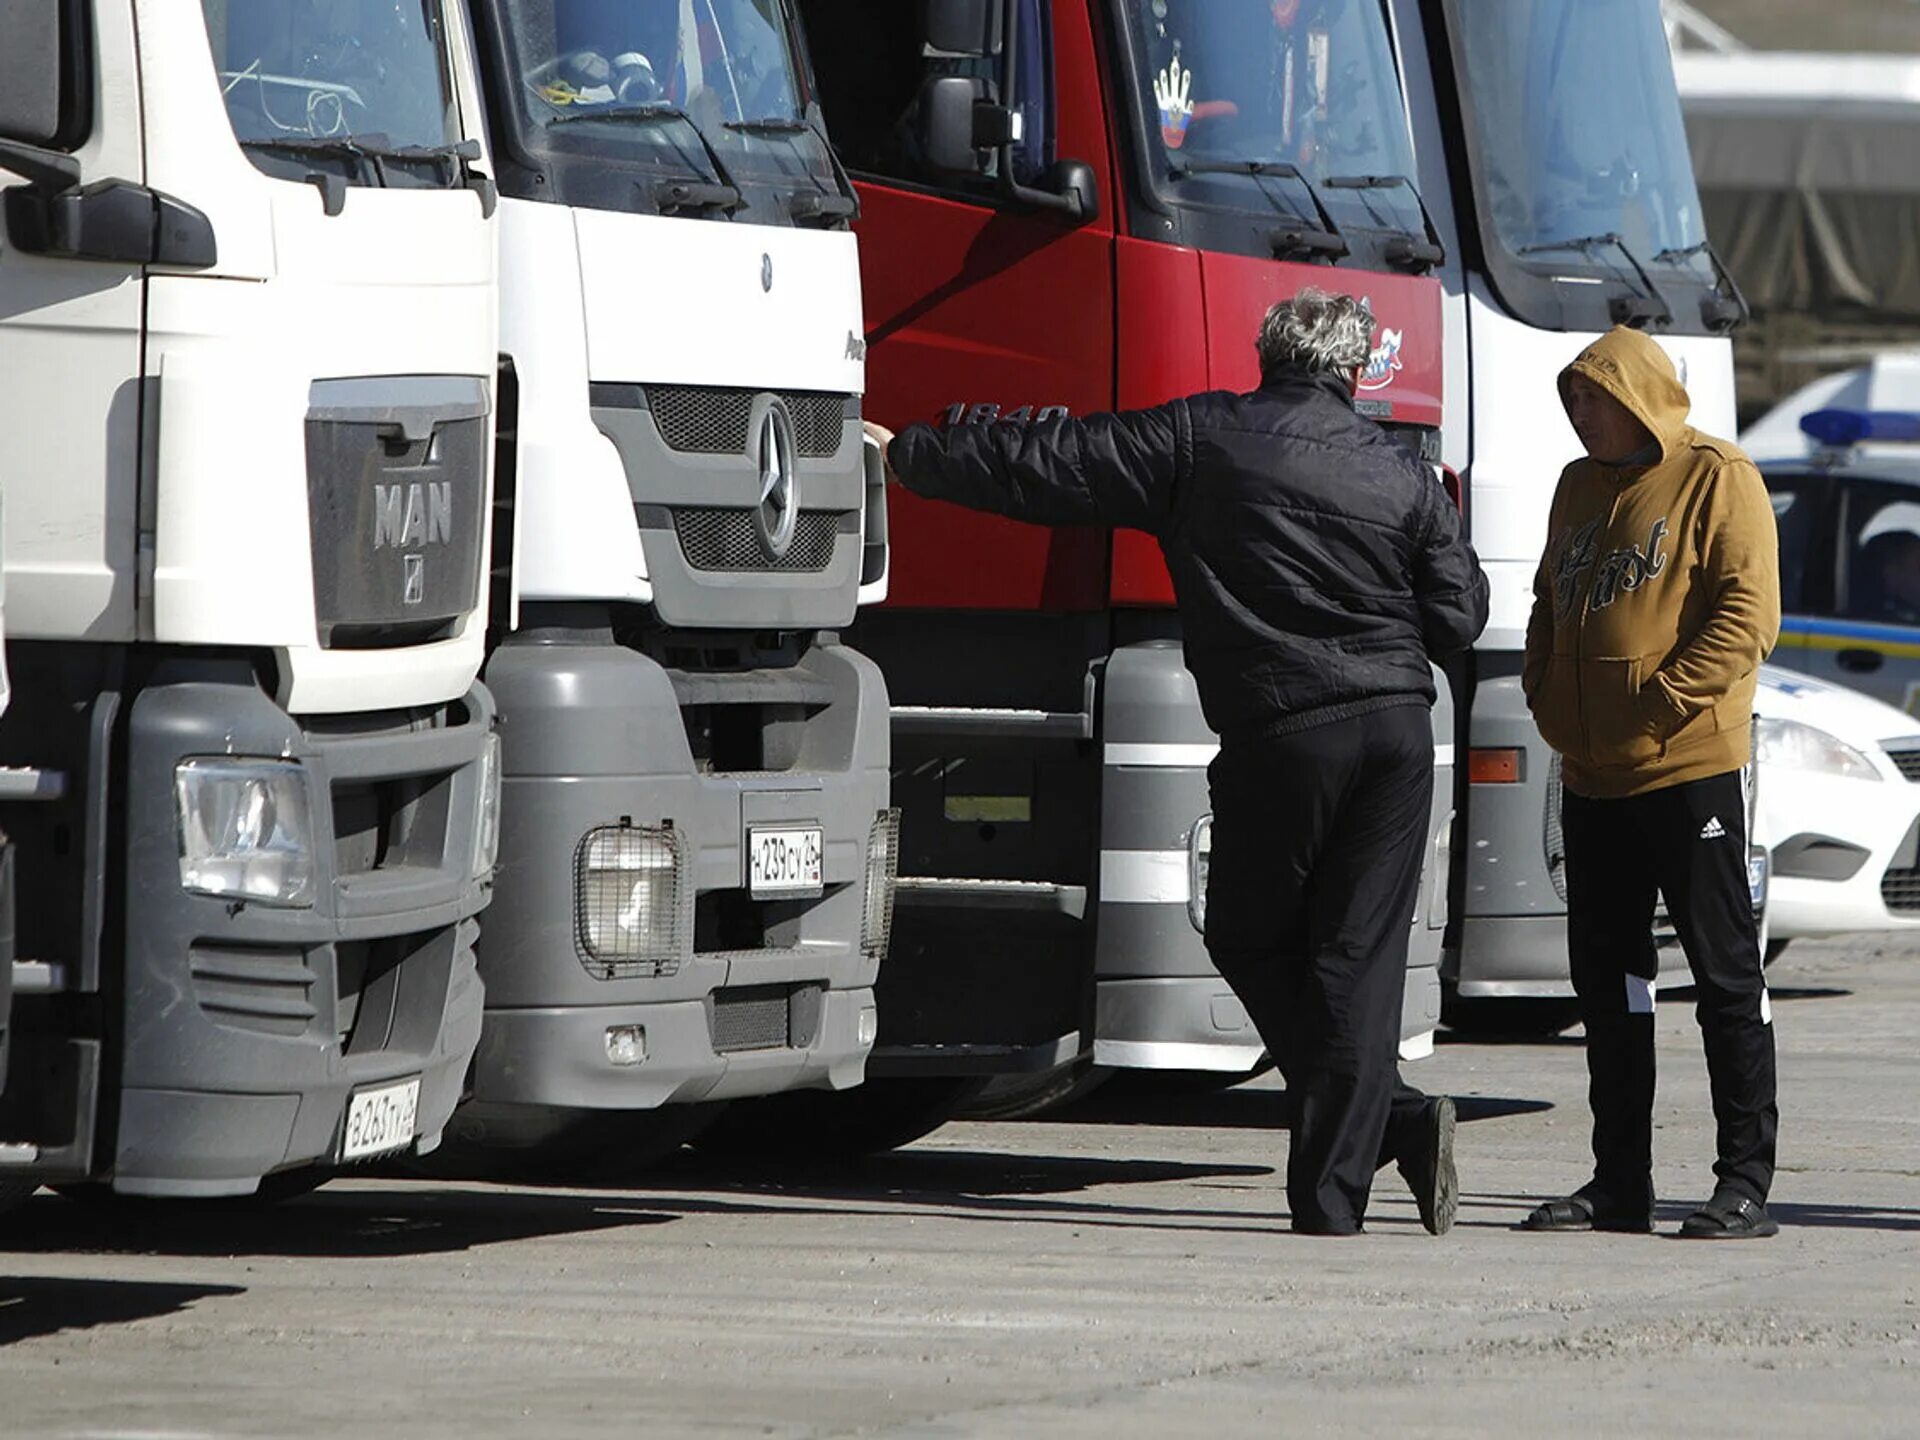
x: 872, y: 1117
x: 1022, y: 1097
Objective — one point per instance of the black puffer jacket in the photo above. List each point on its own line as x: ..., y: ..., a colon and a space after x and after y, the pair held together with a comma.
x: 1316, y: 564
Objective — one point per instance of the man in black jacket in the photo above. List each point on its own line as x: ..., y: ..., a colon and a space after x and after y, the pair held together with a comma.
x: 1318, y: 568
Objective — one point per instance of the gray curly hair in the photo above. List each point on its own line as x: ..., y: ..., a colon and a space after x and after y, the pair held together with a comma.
x: 1317, y: 333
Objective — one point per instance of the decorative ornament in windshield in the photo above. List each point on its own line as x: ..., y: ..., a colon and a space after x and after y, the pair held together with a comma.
x: 1173, y: 93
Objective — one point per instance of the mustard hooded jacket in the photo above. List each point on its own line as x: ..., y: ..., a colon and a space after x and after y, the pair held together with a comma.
x: 1657, y: 597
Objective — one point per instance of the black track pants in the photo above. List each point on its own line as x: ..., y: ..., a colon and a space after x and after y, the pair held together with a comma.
x: 1317, y: 843
x: 1689, y: 843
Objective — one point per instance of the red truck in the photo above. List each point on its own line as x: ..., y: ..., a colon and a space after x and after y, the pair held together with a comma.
x: 1075, y: 206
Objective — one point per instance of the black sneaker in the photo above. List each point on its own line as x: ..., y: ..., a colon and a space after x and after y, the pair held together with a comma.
x: 1429, y: 1171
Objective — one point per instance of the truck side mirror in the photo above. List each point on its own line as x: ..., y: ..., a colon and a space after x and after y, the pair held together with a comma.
x: 946, y: 124
x: 30, y: 71
x: 1074, y: 183
x: 963, y: 27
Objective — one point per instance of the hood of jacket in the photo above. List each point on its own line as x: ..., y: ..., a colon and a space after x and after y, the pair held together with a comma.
x: 1632, y: 368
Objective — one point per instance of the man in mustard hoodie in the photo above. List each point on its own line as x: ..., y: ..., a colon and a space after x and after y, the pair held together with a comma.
x: 1656, y: 600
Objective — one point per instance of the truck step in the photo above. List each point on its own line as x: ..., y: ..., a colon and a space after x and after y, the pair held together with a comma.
x: 16, y: 1154
x: 21, y: 782
x: 38, y: 977
x: 940, y: 892
x: 1017, y: 724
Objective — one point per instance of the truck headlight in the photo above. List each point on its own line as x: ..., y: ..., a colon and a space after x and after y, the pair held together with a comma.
x: 1795, y: 746
x: 486, y: 830
x: 883, y: 868
x: 1199, y: 856
x: 627, y: 900
x: 246, y: 831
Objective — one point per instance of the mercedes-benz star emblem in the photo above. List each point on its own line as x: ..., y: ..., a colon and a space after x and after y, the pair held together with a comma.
x: 779, y: 509
x: 766, y: 272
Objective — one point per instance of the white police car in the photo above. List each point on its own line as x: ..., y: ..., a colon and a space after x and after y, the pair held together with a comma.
x: 1838, y: 808
x: 1846, y: 497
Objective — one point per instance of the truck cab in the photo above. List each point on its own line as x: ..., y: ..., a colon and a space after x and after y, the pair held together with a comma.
x: 1071, y: 206
x: 1550, y: 150
x: 697, y: 845
x: 247, y: 305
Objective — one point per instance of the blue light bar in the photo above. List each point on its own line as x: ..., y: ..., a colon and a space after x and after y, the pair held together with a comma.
x: 1850, y: 427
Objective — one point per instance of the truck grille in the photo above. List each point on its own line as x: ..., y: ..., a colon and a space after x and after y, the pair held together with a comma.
x: 396, y: 485
x: 766, y: 1017
x: 713, y: 538
x: 710, y: 420
x: 1907, y: 758
x: 264, y: 989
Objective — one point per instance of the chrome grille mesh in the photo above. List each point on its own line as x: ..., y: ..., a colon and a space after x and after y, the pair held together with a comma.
x: 711, y: 420
x: 1908, y: 759
x: 1555, y: 838
x: 713, y: 538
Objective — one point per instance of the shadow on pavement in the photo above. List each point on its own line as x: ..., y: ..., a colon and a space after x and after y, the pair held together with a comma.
x: 936, y: 1174
x: 356, y: 1223
x: 1265, y: 1108
x: 1844, y: 1217
x: 34, y: 1305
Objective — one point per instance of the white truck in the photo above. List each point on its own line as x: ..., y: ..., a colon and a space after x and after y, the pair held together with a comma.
x: 697, y: 853
x: 248, y: 319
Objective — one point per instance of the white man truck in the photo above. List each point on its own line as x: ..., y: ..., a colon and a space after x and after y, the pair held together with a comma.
x: 248, y: 319
x: 697, y: 853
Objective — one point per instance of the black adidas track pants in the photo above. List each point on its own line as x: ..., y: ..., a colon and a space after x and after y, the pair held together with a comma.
x: 1689, y: 843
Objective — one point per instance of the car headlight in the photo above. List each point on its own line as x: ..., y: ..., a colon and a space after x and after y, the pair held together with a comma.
x: 627, y: 900
x: 246, y: 831
x: 883, y: 868
x: 1795, y: 746
x: 486, y: 831
x: 1199, y: 858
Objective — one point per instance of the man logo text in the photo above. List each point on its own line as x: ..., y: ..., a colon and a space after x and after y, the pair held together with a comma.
x: 413, y: 514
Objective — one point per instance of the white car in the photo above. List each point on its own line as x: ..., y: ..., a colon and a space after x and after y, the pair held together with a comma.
x: 1839, y: 808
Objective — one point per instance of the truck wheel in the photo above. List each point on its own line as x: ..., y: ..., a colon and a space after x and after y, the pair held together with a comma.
x: 1518, y: 1017
x: 838, y: 1124
x: 1021, y: 1097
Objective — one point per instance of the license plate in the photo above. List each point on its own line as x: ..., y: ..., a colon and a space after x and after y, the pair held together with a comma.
x: 381, y: 1120
x: 1757, y: 878
x: 786, y: 862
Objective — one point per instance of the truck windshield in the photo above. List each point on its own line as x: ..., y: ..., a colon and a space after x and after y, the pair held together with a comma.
x: 360, y: 89
x: 708, y: 91
x: 1238, y: 92
x: 1577, y: 151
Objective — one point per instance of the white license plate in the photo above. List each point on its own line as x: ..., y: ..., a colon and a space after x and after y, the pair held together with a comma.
x: 786, y: 862
x: 1757, y: 878
x: 381, y: 1120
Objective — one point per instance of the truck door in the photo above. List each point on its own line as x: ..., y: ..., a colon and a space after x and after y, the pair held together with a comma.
x: 70, y: 311
x: 979, y: 306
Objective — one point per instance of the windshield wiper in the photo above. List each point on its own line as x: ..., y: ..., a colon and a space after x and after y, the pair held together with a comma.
x: 1407, y: 250
x: 768, y: 125
x: 1290, y: 241
x: 817, y: 204
x: 1625, y: 310
x: 1726, y: 307
x: 722, y: 194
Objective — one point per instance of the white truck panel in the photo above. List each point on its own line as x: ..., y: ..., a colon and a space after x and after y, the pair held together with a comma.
x: 682, y: 313
x: 574, y: 532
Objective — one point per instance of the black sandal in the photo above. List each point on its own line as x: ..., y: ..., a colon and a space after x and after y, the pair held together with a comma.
x: 1729, y: 1216
x: 1577, y: 1212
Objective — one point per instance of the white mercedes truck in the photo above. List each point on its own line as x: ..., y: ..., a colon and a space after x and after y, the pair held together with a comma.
x: 248, y: 327
x: 697, y: 852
